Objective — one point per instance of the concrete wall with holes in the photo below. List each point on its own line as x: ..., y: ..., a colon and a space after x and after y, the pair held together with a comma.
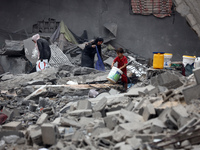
x: 140, y: 34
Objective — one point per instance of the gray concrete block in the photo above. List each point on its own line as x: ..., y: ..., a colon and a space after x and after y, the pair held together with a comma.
x: 149, y: 112
x: 191, y: 92
x: 12, y: 126
x: 84, y: 104
x: 49, y: 133
x: 80, y: 113
x: 178, y: 112
x: 129, y: 116
x: 110, y: 122
x: 36, y: 136
x: 100, y: 105
x: 197, y: 75
x: 130, y: 106
x: 42, y: 119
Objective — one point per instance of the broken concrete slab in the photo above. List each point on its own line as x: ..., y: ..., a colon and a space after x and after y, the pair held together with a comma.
x: 100, y: 105
x: 68, y: 122
x: 133, y: 91
x: 13, y: 48
x: 12, y: 126
x: 83, y: 104
x: 131, y: 116
x: 134, y: 142
x: 82, y: 112
x: 191, y: 93
x: 36, y: 136
x: 179, y: 112
x: 110, y: 122
x: 42, y: 119
x: 167, y: 79
x: 149, y: 112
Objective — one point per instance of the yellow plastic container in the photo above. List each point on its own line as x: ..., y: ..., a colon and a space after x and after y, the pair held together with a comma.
x: 158, y: 60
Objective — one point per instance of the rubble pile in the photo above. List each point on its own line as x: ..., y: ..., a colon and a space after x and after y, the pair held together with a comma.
x: 76, y: 108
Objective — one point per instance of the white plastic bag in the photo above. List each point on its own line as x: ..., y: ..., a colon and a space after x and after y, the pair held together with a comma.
x: 41, y: 65
x: 34, y: 53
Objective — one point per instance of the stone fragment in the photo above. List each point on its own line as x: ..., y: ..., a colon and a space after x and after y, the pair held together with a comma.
x: 122, y: 135
x: 11, y: 139
x: 149, y: 112
x: 113, y: 92
x: 191, y: 92
x: 100, y: 105
x: 134, y: 142
x: 179, y: 112
x: 133, y: 91
x: 110, y: 122
x: 130, y: 106
x: 49, y: 133
x: 85, y: 120
x: 42, y: 119
x: 36, y: 136
x: 81, y: 112
x: 167, y: 79
x: 84, y: 104
x: 12, y: 126
x: 97, y: 115
x: 131, y: 116
x: 69, y: 122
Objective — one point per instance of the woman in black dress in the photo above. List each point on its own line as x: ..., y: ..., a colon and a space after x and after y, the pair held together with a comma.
x: 88, y: 53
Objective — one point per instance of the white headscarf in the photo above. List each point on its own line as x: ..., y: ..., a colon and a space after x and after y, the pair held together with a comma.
x: 35, y: 37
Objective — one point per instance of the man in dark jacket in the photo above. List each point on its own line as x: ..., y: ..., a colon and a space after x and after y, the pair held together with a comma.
x: 88, y: 53
x: 44, y: 51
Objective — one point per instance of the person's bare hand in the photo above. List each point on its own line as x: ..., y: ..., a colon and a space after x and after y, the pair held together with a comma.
x: 93, y: 46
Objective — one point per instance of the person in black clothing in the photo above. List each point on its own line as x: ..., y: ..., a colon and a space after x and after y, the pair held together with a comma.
x: 88, y: 53
x: 44, y: 51
x: 43, y: 47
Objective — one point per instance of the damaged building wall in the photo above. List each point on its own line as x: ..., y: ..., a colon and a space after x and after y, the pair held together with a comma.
x: 140, y: 34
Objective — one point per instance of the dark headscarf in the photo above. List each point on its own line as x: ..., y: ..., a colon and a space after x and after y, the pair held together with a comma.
x: 97, y: 40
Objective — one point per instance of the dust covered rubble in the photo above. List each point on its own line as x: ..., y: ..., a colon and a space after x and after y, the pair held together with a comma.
x: 47, y: 113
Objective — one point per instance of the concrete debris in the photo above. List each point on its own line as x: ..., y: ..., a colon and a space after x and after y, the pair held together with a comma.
x: 47, y: 110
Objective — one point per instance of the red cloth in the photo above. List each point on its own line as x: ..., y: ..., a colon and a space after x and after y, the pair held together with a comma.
x: 121, y: 62
x: 3, y: 118
x: 159, y: 8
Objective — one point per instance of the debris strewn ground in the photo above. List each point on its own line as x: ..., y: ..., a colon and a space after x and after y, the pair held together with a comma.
x: 40, y: 110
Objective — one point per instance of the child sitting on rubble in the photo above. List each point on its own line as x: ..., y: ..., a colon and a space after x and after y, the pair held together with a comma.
x: 122, y: 62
